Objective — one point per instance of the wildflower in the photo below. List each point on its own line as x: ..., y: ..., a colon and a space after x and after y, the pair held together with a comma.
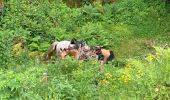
x: 17, y: 48
x: 108, y: 75
x: 157, y: 55
x: 114, y: 86
x: 34, y: 54
x: 104, y: 82
x: 150, y: 57
x: 125, y: 78
x: 140, y: 73
x: 94, y: 62
x: 128, y: 67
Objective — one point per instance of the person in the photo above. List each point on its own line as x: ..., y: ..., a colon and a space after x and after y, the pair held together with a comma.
x: 57, y: 47
x: 104, y: 55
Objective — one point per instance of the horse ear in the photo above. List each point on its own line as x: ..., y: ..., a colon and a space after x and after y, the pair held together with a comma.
x: 73, y: 41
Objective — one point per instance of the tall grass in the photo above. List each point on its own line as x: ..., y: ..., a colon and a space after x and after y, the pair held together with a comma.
x: 125, y: 26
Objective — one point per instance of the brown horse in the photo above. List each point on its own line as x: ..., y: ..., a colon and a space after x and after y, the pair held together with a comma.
x: 104, y: 54
x: 71, y: 52
x: 80, y: 54
x: 56, y: 48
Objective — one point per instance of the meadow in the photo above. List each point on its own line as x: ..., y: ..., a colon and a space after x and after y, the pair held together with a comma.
x: 138, y: 31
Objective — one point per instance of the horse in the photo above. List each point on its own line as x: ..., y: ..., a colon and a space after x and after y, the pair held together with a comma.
x: 80, y: 54
x: 88, y: 54
x: 58, y: 47
x: 71, y: 52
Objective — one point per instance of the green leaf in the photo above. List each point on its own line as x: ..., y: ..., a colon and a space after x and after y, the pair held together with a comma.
x: 36, y: 39
x: 34, y: 46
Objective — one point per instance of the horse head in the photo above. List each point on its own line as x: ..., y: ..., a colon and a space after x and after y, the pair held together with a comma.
x: 63, y: 53
x: 79, y: 44
x: 69, y: 51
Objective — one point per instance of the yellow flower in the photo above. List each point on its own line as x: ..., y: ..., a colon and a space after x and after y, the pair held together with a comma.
x: 17, y: 48
x: 125, y: 78
x: 114, y: 86
x: 157, y: 55
x: 104, y: 82
x: 94, y: 62
x: 129, y: 67
x: 108, y: 75
x: 150, y: 57
x: 34, y: 54
x: 140, y: 73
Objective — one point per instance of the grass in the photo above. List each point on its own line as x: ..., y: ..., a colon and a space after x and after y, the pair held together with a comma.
x: 133, y: 33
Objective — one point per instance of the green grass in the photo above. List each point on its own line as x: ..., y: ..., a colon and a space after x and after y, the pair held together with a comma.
x: 139, y: 78
x: 133, y: 29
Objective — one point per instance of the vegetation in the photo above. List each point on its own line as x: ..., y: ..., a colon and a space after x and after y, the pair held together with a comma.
x: 136, y: 30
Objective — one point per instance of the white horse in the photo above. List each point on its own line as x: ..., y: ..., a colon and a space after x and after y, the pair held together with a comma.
x: 57, y: 47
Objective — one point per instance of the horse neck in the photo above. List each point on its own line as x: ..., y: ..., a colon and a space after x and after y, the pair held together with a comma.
x: 74, y: 53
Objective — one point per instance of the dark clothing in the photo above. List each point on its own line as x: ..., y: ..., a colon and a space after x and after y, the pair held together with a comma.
x: 101, y: 57
x: 111, y: 57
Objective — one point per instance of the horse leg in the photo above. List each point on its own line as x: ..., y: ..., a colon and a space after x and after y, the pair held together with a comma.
x: 51, y: 50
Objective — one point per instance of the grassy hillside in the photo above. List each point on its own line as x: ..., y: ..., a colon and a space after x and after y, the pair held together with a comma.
x: 136, y: 30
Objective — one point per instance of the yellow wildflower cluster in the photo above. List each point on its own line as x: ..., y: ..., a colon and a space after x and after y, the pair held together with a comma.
x: 104, y: 82
x: 150, y: 57
x: 114, y: 86
x: 128, y: 67
x: 34, y: 54
x: 17, y: 49
x: 125, y: 78
x: 108, y: 75
x: 140, y: 73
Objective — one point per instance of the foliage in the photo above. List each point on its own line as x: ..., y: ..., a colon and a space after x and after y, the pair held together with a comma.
x: 72, y: 79
x: 28, y: 27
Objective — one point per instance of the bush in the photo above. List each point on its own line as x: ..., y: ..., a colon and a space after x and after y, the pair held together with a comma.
x: 29, y: 27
